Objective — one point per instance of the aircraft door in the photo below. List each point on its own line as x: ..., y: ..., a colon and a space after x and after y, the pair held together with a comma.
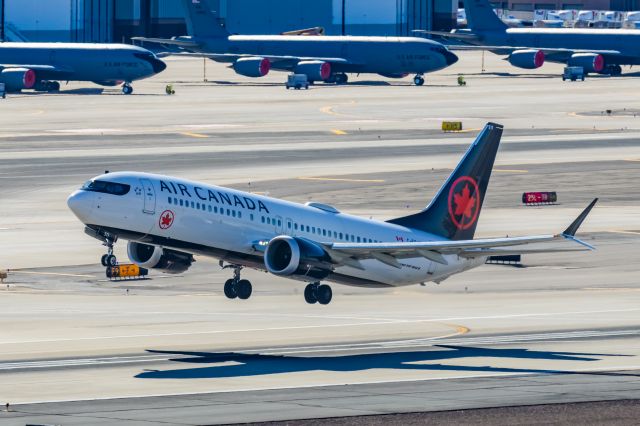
x: 149, y: 197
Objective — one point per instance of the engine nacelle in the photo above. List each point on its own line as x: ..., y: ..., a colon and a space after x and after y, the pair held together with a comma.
x: 314, y: 70
x: 529, y: 59
x: 286, y: 256
x: 16, y: 79
x: 252, y: 67
x: 153, y: 257
x: 590, y: 62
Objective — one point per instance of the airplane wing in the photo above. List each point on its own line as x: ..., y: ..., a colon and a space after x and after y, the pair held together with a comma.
x: 275, y: 59
x: 549, y: 50
x: 349, y: 254
x: 177, y: 42
x: 47, y: 72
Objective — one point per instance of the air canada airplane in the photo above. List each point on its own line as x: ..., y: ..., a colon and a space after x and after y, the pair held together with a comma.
x: 167, y: 220
x: 320, y: 58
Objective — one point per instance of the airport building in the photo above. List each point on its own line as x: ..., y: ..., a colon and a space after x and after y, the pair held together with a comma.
x: 530, y: 5
x: 118, y: 20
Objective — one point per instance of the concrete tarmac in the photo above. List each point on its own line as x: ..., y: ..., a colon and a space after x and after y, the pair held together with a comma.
x: 76, y: 348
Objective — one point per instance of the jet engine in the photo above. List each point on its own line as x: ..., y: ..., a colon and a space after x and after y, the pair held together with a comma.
x: 165, y: 260
x: 528, y: 59
x: 16, y: 79
x: 590, y: 62
x: 286, y: 256
x: 314, y: 70
x: 252, y: 67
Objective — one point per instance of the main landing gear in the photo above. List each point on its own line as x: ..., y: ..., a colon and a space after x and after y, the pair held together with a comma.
x: 318, y: 293
x: 338, y: 78
x: 236, y: 287
x: 127, y: 89
x: 109, y: 259
x: 418, y: 80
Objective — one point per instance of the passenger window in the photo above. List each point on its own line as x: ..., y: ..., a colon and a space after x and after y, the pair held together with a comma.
x: 215, y: 209
x: 295, y: 226
x: 352, y: 239
x: 181, y: 203
x: 324, y: 232
x: 239, y: 214
x: 289, y: 225
x: 251, y: 216
x: 210, y: 209
x: 193, y: 204
x: 340, y: 235
x: 169, y: 200
x: 279, y: 222
x: 262, y: 219
x: 233, y: 213
x: 198, y: 206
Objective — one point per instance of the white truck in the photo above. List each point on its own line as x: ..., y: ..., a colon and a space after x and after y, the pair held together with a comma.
x: 297, y: 81
x: 573, y: 73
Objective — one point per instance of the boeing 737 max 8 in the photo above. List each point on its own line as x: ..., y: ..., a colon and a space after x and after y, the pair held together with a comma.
x: 167, y: 220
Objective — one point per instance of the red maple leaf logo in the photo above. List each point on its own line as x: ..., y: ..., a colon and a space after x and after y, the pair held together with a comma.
x: 465, y: 203
x: 166, y: 219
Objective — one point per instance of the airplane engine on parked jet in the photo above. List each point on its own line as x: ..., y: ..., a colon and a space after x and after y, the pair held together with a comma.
x: 529, y: 59
x: 590, y: 62
x: 287, y: 256
x: 252, y: 67
x: 165, y: 260
x: 16, y: 79
x: 314, y: 70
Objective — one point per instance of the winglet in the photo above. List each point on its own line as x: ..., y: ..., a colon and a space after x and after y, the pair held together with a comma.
x: 573, y: 228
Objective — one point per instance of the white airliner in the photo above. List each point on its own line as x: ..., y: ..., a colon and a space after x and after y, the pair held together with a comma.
x: 167, y: 220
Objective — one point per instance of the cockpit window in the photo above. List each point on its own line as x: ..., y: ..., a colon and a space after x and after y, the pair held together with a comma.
x: 106, y: 187
x: 145, y: 56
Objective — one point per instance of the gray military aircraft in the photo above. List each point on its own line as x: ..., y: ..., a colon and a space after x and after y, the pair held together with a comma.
x: 321, y: 58
x: 596, y: 50
x: 40, y: 66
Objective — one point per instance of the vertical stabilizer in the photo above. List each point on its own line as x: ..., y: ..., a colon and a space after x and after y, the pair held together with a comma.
x: 203, y: 21
x: 481, y: 17
x: 454, y: 211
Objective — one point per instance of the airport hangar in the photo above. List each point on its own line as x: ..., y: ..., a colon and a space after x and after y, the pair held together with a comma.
x: 118, y: 20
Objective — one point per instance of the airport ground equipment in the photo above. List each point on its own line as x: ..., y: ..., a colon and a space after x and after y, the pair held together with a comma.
x: 297, y: 81
x: 451, y: 126
x: 461, y: 80
x: 510, y: 259
x: 126, y: 271
x: 169, y: 89
x: 573, y: 73
x: 3, y: 276
x: 539, y: 198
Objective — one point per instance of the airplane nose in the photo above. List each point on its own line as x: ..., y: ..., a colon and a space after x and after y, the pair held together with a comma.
x: 80, y: 203
x: 158, y: 66
x: 450, y: 57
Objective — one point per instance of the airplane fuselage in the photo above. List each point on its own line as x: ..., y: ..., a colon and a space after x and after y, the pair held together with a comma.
x: 381, y: 55
x: 108, y: 63
x: 234, y: 226
x: 627, y: 42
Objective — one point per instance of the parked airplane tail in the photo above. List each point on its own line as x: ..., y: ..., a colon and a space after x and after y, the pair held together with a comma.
x: 481, y: 17
x: 203, y: 21
x: 454, y: 211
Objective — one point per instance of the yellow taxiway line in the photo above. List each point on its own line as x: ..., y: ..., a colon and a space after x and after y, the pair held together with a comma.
x: 194, y: 135
x: 341, y: 179
x: 338, y: 132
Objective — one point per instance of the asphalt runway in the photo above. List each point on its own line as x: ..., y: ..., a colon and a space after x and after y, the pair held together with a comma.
x: 78, y: 349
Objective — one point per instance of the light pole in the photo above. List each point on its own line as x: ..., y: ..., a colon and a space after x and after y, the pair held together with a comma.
x: 344, y: 23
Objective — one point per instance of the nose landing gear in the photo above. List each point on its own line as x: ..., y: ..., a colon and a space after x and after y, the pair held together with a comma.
x: 418, y: 80
x: 109, y: 259
x: 318, y: 293
x: 127, y: 89
x: 236, y: 287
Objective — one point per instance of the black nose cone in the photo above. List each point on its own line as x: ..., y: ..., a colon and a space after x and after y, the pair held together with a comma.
x: 450, y: 57
x: 158, y: 66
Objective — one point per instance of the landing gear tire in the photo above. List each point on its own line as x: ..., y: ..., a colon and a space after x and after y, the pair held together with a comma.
x: 418, y: 80
x: 244, y: 289
x: 230, y: 289
x: 615, y: 70
x: 103, y: 259
x: 341, y: 78
x: 127, y: 89
x: 324, y: 294
x: 111, y: 260
x: 53, y: 86
x: 318, y: 293
x: 310, y: 294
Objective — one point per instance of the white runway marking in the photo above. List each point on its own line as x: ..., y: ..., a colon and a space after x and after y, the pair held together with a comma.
x: 356, y: 324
